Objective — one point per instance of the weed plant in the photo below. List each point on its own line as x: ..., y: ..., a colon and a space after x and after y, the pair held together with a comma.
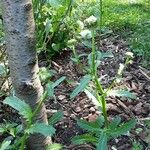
x: 102, y: 130
x: 17, y: 134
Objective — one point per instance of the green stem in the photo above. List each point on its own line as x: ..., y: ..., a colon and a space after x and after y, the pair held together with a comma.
x: 101, y: 98
x: 97, y: 83
x: 101, y: 11
x: 93, y: 54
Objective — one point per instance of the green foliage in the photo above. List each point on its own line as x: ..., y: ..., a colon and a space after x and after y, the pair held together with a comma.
x: 55, y: 118
x: 54, y: 146
x: 83, y: 83
x: 57, y: 82
x: 121, y: 93
x: 19, y: 135
x: 85, y: 138
x: 102, y: 142
x: 52, y: 25
x: 46, y: 130
x: 51, y: 85
x: 98, y: 135
x: 22, y: 108
x: 2, y: 71
x: 4, y: 145
x: 102, y: 130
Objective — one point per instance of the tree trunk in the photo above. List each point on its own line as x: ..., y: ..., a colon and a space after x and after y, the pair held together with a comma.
x: 20, y: 37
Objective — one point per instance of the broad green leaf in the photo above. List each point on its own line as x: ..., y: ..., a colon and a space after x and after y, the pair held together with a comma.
x: 56, y: 83
x: 46, y: 130
x: 50, y: 89
x: 5, y: 145
x: 85, y: 138
x: 102, y: 142
x: 19, y: 105
x: 54, y: 146
x: 83, y: 83
x: 55, y: 118
x: 123, y: 128
x: 115, y: 122
x: 89, y: 126
x: 121, y: 93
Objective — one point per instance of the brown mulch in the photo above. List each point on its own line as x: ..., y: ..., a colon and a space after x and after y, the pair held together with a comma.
x: 135, y: 78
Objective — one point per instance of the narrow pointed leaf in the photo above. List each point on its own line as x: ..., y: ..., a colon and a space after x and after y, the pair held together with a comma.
x: 55, y: 118
x: 46, y: 130
x: 56, y: 83
x: 123, y: 128
x: 102, y: 142
x: 50, y: 89
x: 91, y: 96
x: 19, y: 105
x: 115, y: 122
x: 83, y: 83
x: 85, y: 138
x: 122, y: 93
x: 89, y: 126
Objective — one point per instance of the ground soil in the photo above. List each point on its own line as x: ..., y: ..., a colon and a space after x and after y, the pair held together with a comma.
x: 135, y: 78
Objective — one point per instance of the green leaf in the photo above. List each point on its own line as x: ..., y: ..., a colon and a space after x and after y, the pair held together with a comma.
x: 5, y: 145
x: 85, y: 138
x: 115, y: 122
x: 2, y: 71
x: 55, y: 3
x: 92, y: 97
x: 121, y: 93
x: 56, y: 83
x: 50, y: 89
x: 46, y: 130
x: 89, y: 126
x: 83, y: 83
x: 2, y: 130
x: 54, y: 146
x: 45, y: 74
x: 55, y: 118
x: 19, y: 105
x: 100, y: 121
x: 123, y: 128
x: 102, y: 55
x: 102, y: 142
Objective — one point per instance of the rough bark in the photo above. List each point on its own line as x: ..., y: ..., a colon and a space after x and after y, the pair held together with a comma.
x: 20, y: 37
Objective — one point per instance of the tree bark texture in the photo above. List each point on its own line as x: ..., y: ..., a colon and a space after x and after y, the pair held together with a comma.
x: 20, y: 42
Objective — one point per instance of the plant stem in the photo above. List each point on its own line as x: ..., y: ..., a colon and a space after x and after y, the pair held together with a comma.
x: 93, y: 55
x: 101, y: 11
x: 100, y: 90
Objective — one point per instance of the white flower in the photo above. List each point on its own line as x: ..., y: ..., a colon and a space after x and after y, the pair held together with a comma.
x: 121, y: 67
x: 80, y: 24
x: 86, y: 34
x: 129, y: 54
x: 91, y: 20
